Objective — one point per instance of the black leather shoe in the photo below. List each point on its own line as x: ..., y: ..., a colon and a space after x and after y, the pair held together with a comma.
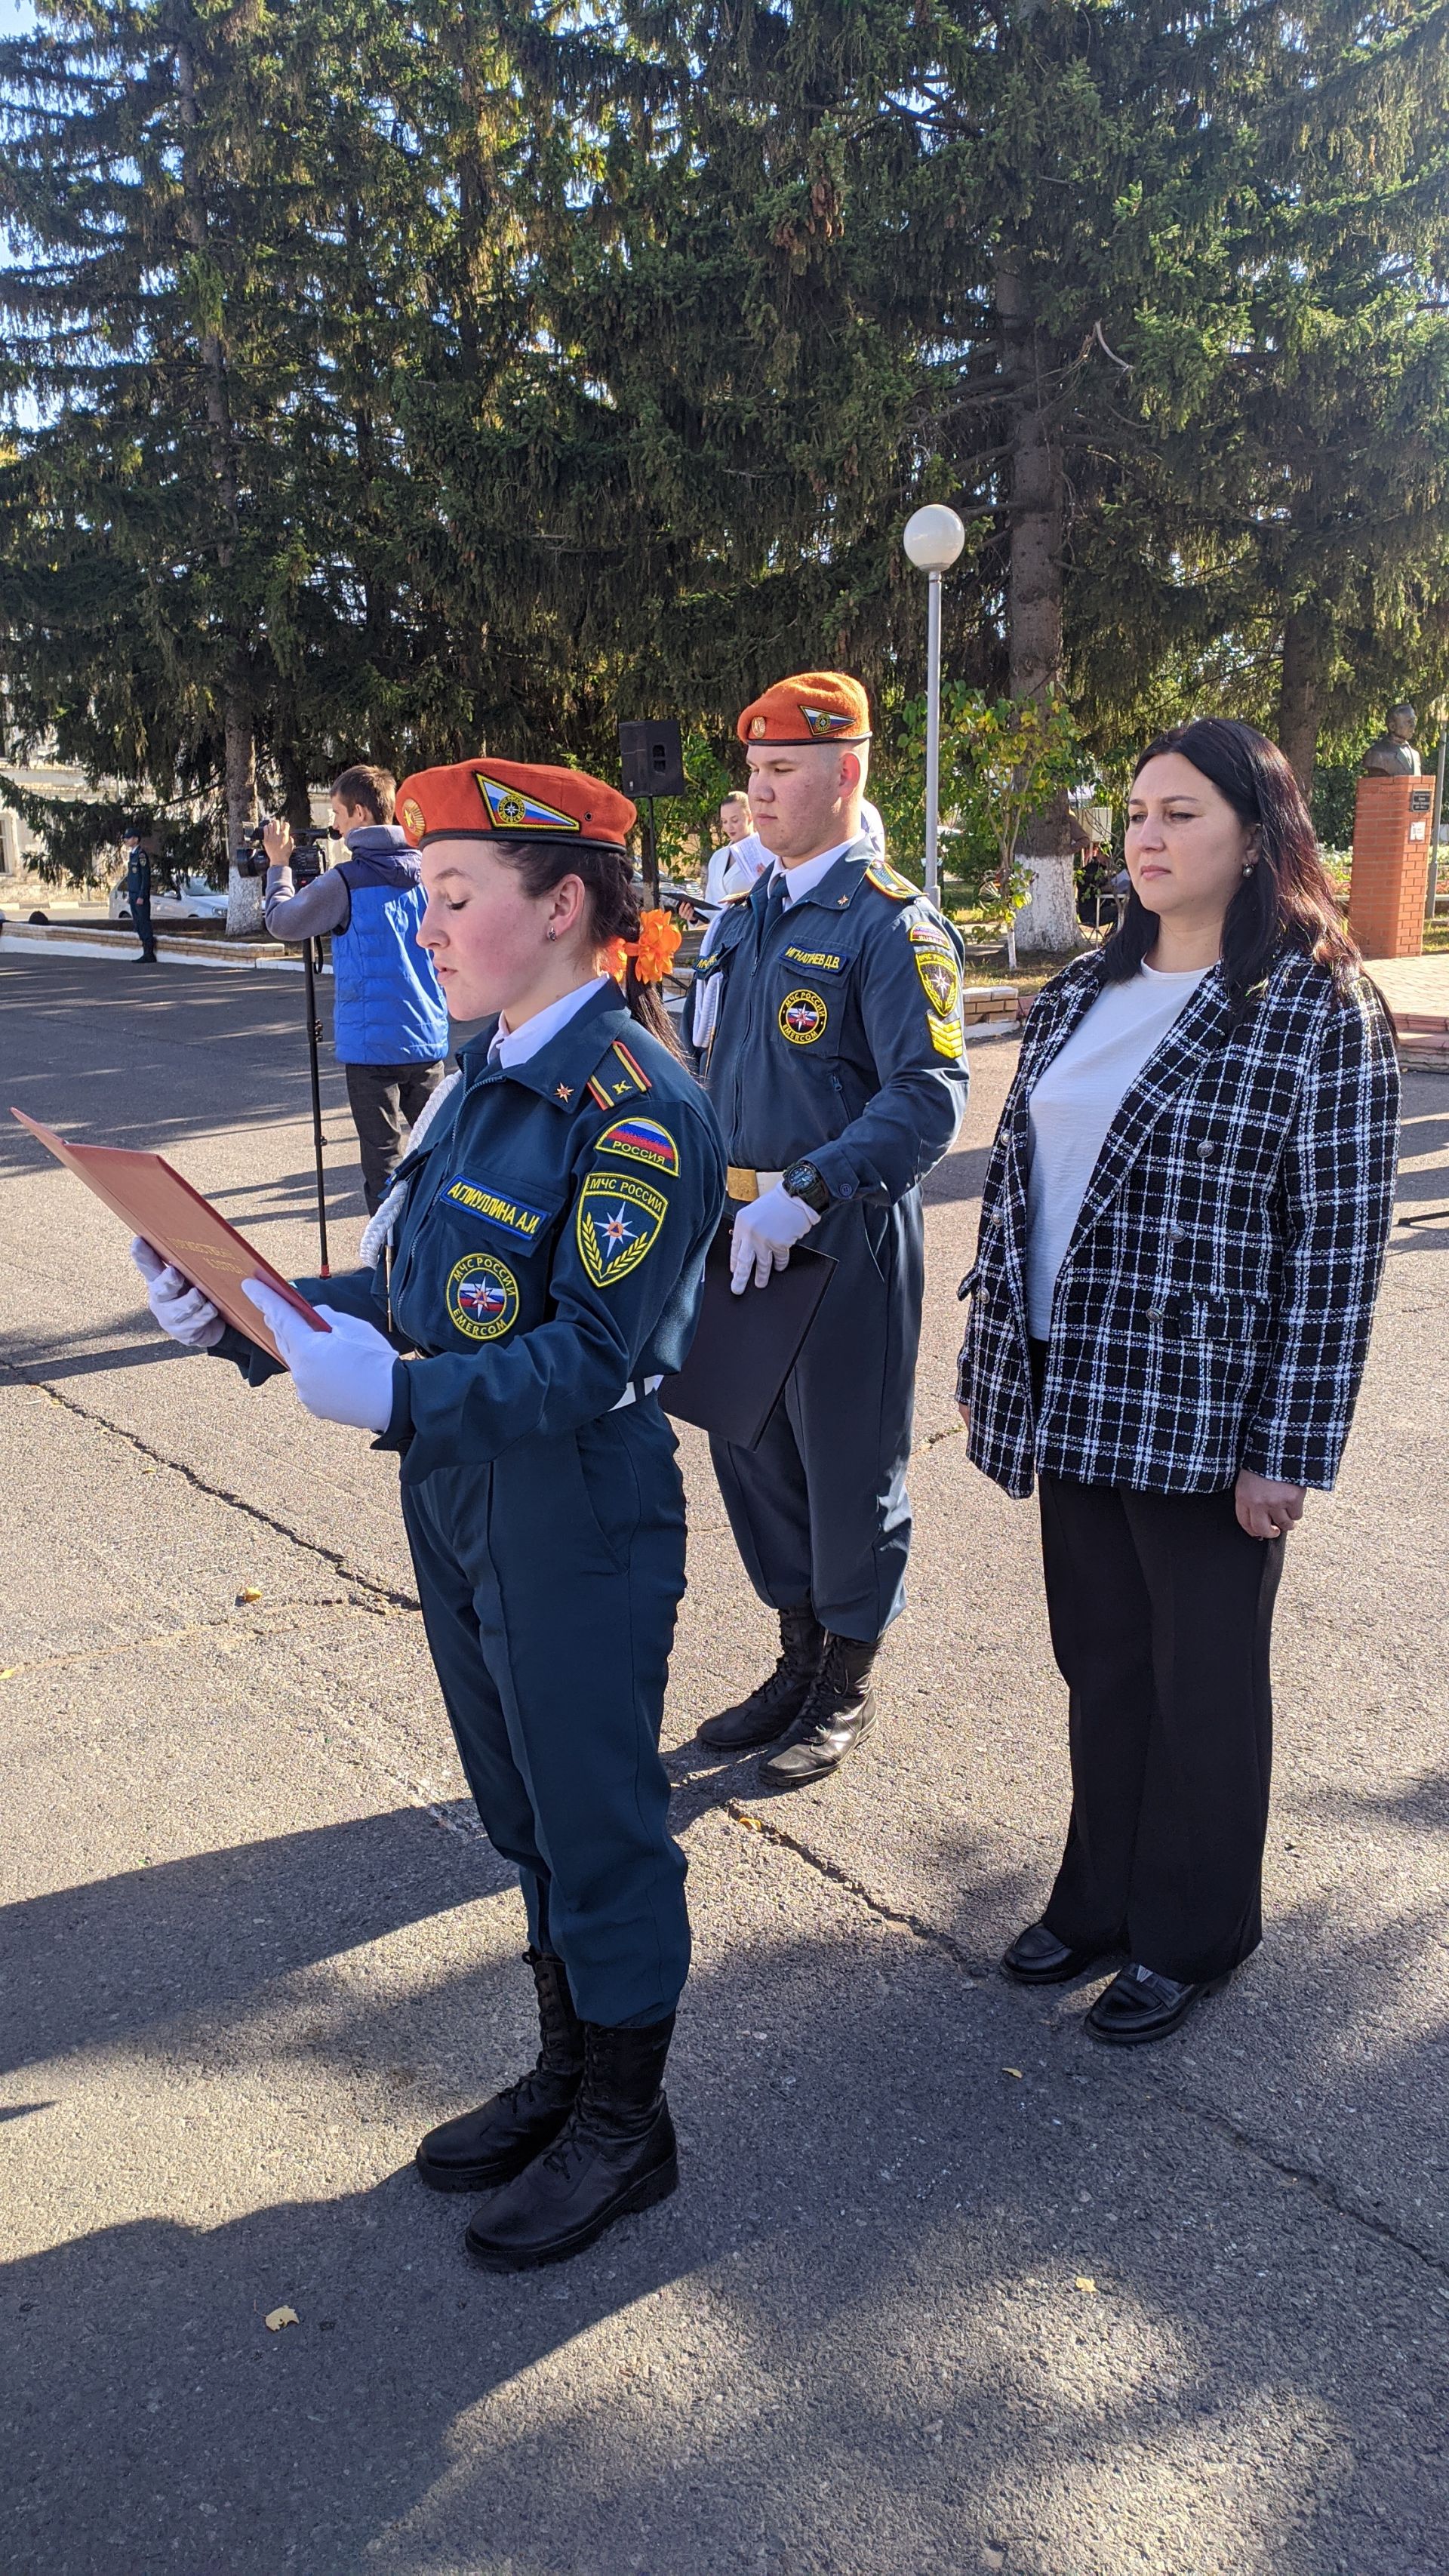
x: 764, y: 1716
x: 483, y: 2148
x: 1038, y: 1958
x: 615, y: 2154
x: 839, y: 1711
x: 1140, y: 2005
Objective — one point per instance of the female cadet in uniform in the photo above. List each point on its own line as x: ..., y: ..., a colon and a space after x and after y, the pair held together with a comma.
x: 548, y: 1239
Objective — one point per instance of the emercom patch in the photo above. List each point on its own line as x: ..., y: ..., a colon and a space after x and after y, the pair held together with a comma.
x: 482, y: 1297
x: 513, y: 1216
x: 619, y: 1217
x: 802, y: 1018
x: 641, y: 1140
x: 940, y: 975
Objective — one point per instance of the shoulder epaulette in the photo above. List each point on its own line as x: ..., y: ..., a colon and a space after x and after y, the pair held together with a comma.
x: 620, y: 1076
x: 888, y: 880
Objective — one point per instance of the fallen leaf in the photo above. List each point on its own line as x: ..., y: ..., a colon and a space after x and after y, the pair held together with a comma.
x: 1013, y: 2070
x: 9, y: 1673
x: 282, y: 2317
x: 1084, y: 2282
x: 248, y: 1592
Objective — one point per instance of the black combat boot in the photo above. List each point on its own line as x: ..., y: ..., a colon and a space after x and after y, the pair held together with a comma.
x: 767, y: 1712
x: 839, y: 1711
x: 615, y: 2154
x: 483, y: 2148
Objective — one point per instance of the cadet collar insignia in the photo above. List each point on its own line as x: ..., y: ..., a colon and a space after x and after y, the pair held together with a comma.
x: 618, y: 1220
x: 888, y: 880
x: 641, y: 1140
x: 823, y: 725
x: 563, y: 1091
x: 512, y: 809
x: 620, y: 1079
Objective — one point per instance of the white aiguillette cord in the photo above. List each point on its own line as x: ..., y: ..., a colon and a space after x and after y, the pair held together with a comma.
x: 378, y: 1231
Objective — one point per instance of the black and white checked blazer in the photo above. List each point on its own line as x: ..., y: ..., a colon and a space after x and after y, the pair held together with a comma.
x: 1214, y: 1305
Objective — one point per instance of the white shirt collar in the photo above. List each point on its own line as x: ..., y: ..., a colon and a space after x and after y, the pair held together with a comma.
x: 515, y: 1046
x: 811, y: 872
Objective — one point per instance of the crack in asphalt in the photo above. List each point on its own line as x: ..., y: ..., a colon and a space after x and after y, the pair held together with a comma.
x: 900, y: 1918
x: 978, y: 1973
x: 40, y: 1385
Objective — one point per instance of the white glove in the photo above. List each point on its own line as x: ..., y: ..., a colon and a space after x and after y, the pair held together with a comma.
x: 179, y: 1309
x: 763, y: 1233
x: 341, y: 1376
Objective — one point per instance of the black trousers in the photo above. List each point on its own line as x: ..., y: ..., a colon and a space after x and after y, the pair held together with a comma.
x: 1161, y: 1612
x: 385, y: 1100
x: 141, y: 924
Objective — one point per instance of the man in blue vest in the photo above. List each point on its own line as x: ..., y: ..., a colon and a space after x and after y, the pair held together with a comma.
x: 389, y: 1019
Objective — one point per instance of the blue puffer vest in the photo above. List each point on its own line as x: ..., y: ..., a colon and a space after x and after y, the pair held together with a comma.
x: 388, y: 1006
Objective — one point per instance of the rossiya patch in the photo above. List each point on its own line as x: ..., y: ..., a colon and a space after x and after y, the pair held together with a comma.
x: 619, y: 1217
x: 482, y: 1296
x: 641, y: 1140
x: 803, y: 1016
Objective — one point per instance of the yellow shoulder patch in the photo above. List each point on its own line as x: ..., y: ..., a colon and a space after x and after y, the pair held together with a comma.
x: 888, y: 880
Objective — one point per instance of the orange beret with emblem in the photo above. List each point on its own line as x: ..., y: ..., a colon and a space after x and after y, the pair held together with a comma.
x: 513, y: 800
x: 814, y: 706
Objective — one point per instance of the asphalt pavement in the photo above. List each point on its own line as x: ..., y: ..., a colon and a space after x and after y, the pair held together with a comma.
x: 946, y: 2288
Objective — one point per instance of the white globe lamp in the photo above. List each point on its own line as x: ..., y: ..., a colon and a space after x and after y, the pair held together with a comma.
x: 933, y: 538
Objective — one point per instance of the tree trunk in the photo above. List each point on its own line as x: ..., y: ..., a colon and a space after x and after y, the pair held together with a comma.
x: 1048, y: 918
x: 1300, y: 694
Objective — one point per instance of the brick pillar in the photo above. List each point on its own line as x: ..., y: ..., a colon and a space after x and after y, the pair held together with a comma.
x: 1390, y: 865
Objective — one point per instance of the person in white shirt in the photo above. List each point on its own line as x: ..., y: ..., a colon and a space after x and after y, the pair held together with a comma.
x: 734, y: 867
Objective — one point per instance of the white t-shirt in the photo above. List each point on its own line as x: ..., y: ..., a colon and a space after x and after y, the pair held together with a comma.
x: 1073, y: 1107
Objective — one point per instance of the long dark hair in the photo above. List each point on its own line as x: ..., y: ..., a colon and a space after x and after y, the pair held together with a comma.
x: 1286, y: 901
x: 614, y: 908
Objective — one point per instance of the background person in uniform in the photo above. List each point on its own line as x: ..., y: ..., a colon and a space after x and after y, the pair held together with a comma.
x: 734, y: 867
x: 1182, y: 1233
x: 389, y: 1019
x: 830, y: 1000
x: 548, y: 1253
x: 135, y: 850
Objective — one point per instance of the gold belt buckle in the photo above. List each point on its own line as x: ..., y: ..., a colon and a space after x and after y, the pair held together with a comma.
x: 740, y: 1183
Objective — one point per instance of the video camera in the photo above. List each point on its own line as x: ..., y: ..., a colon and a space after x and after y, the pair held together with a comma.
x: 308, y: 859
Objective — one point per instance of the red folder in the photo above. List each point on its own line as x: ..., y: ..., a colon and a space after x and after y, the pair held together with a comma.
x: 150, y: 1197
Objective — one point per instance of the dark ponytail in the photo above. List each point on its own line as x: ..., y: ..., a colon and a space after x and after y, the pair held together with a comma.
x: 608, y: 879
x: 1285, y: 902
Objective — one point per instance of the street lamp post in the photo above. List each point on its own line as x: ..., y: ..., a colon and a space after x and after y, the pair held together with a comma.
x: 933, y: 538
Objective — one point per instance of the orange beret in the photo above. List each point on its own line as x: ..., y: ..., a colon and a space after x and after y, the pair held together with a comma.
x: 507, y: 800
x: 815, y: 706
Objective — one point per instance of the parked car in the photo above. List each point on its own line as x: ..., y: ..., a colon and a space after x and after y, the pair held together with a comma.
x: 195, y: 901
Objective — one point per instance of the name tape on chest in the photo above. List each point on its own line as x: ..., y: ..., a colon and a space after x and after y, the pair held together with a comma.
x: 500, y: 1208
x: 618, y: 1221
x: 641, y: 1140
x: 817, y: 961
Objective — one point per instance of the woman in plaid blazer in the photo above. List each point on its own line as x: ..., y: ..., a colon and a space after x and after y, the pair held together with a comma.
x: 1182, y: 1233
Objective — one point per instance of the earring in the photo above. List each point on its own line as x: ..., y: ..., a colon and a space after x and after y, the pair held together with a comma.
x: 1248, y: 867
x: 550, y: 933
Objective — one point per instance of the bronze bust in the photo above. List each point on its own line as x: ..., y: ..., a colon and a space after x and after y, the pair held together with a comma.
x: 1393, y: 755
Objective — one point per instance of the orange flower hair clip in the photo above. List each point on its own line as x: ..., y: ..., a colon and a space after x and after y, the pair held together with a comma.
x: 652, y: 952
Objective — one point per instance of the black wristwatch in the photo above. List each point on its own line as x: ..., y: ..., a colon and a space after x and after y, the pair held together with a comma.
x: 804, y: 1182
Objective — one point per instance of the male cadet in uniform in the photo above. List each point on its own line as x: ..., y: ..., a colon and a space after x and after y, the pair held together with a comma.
x: 828, y: 1029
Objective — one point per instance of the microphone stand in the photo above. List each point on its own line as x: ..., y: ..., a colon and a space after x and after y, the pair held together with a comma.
x: 311, y: 959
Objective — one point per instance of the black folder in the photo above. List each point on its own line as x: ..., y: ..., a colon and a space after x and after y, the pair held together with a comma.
x: 745, y: 1347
